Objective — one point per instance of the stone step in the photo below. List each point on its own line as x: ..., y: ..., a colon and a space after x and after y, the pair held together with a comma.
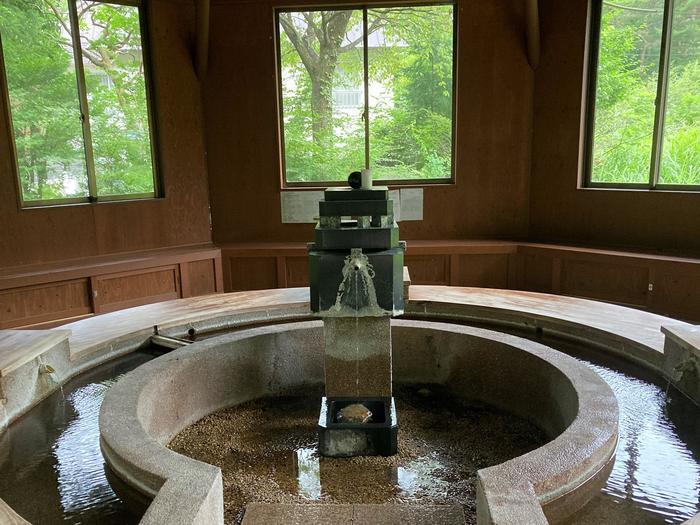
x: 357, y: 514
x: 9, y: 516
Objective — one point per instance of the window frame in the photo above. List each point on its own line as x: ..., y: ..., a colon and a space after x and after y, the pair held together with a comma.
x: 92, y: 197
x: 364, y: 7
x: 595, y: 10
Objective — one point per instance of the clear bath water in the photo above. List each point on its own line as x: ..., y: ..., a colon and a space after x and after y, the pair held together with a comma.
x: 656, y: 476
x: 52, y: 471
x: 51, y: 467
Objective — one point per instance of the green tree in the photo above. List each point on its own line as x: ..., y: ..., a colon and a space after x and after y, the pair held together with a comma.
x: 410, y: 56
x: 38, y: 53
x: 43, y: 100
x: 628, y: 72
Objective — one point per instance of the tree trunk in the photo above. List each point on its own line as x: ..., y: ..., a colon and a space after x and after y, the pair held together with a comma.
x: 322, y: 104
x: 329, y: 32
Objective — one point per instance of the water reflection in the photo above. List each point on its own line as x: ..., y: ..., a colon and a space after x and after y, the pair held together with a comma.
x: 81, y: 479
x: 53, y: 454
x: 421, y: 477
x: 654, y: 468
x: 308, y: 471
x: 656, y: 475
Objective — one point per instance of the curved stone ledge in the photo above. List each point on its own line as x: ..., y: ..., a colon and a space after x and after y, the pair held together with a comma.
x: 632, y: 334
x: 146, y: 409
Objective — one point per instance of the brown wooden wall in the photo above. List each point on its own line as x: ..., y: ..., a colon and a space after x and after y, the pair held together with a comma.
x: 55, y: 293
x: 558, y: 210
x: 665, y: 285
x: 181, y: 218
x: 494, y: 101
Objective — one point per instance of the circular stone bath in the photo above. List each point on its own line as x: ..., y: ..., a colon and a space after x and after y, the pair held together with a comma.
x: 570, y: 403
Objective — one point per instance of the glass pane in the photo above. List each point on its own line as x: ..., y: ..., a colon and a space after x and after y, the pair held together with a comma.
x: 322, y: 71
x: 43, y: 96
x: 110, y: 36
x: 410, y: 91
x: 630, y: 43
x: 680, y: 161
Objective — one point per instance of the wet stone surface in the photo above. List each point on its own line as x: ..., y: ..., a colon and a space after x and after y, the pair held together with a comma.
x: 267, y: 450
x: 355, y: 413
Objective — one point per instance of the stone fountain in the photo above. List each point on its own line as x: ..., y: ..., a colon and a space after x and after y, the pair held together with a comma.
x: 356, y: 281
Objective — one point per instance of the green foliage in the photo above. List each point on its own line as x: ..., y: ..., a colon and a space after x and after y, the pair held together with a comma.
x: 680, y: 163
x: 410, y: 65
x: 42, y: 83
x: 117, y: 99
x: 626, y: 93
x: 43, y: 100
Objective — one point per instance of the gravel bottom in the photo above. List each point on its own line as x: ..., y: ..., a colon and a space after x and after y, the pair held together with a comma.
x: 267, y: 451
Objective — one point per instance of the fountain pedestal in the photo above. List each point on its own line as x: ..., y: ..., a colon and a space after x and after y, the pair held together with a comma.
x: 356, y: 282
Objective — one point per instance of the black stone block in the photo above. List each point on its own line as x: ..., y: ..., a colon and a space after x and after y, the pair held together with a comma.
x: 365, y: 238
x: 353, y: 208
x: 326, y: 275
x: 379, y: 437
x: 378, y: 193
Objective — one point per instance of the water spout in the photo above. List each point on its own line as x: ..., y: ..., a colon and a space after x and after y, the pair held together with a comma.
x: 356, y: 294
x: 46, y: 369
x: 47, y: 372
x: 688, y: 366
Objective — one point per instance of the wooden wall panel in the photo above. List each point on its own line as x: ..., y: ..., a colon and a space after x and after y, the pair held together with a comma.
x: 124, y: 290
x: 297, y: 269
x: 537, y: 273
x: 41, y: 303
x: 428, y: 269
x: 677, y: 290
x: 201, y: 276
x: 487, y: 270
x: 46, y: 295
x: 621, y: 283
x: 252, y: 273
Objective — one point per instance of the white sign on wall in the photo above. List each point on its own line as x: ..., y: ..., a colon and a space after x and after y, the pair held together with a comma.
x: 301, y: 207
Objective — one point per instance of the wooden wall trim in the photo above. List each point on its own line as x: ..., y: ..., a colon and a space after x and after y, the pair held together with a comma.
x: 50, y: 294
x: 451, y: 246
x: 658, y: 283
x: 26, y: 275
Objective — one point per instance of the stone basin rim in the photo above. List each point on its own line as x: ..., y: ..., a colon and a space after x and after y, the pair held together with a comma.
x: 188, y: 491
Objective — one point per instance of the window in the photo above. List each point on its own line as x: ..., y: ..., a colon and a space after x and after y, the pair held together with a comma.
x: 643, y: 123
x: 367, y: 87
x: 77, y: 97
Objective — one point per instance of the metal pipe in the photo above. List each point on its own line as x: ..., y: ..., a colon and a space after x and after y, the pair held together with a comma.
x: 168, y: 341
x: 202, y: 24
x: 533, y: 32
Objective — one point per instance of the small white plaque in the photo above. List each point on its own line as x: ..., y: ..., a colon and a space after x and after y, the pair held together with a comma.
x: 395, y: 195
x: 412, y: 204
x: 300, y: 207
